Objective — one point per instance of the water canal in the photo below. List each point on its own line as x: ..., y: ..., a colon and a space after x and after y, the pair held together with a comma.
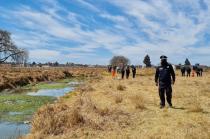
x: 17, y: 106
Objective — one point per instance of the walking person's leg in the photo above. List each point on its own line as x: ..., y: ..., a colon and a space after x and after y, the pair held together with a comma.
x: 162, y: 97
x: 123, y: 74
x: 169, y: 95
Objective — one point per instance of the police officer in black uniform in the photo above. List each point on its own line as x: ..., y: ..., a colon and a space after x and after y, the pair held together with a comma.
x: 163, y: 75
x: 127, y: 71
x: 123, y: 71
x: 133, y: 71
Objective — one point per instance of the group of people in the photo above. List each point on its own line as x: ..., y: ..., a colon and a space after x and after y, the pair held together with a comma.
x: 196, y: 69
x: 123, y: 70
x: 164, y: 77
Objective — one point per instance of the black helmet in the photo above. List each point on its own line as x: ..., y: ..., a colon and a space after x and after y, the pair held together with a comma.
x: 163, y: 57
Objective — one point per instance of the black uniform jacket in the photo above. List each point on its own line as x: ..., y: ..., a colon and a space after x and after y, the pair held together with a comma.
x: 163, y: 75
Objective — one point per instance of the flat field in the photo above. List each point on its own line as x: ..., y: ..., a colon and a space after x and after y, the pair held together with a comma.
x: 110, y: 108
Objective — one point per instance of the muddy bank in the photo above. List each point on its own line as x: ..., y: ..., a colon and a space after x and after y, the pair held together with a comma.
x: 14, y: 77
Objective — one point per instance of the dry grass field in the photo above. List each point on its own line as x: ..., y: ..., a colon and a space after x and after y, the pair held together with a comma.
x: 127, y: 109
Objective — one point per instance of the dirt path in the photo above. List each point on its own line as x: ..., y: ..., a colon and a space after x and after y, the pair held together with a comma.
x: 107, y: 108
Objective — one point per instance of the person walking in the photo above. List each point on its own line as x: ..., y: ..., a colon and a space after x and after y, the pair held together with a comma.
x: 188, y: 69
x: 133, y: 71
x: 183, y: 70
x: 198, y: 72
x: 201, y: 72
x: 127, y: 72
x: 109, y: 69
x: 123, y: 71
x: 114, y: 68
x: 164, y: 77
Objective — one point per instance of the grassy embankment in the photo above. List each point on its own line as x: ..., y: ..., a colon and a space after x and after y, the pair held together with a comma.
x: 15, y: 105
x: 18, y: 106
x: 107, y: 108
x: 11, y: 78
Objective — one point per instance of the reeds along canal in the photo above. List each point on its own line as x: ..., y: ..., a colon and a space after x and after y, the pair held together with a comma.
x: 17, y: 106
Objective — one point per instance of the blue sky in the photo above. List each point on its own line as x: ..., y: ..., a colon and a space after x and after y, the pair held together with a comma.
x: 92, y: 31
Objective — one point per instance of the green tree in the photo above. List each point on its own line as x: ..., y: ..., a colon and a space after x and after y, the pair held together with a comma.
x: 147, y: 61
x: 187, y: 62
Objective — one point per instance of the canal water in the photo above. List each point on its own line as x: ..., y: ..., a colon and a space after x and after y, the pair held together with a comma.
x: 13, y: 130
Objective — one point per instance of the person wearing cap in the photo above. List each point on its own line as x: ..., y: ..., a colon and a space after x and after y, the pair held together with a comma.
x: 164, y: 77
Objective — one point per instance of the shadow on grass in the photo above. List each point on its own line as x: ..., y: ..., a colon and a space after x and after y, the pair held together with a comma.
x: 178, y: 108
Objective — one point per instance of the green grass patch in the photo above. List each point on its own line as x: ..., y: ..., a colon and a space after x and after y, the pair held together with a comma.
x: 44, y: 85
x: 54, y: 85
x: 24, y: 105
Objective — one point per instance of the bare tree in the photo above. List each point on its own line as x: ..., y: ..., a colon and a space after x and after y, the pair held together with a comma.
x: 8, y: 50
x: 119, y: 61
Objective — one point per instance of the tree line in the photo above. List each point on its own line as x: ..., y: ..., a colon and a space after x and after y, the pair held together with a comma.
x: 122, y: 60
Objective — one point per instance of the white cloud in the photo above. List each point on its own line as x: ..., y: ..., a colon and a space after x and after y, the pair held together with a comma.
x: 88, y: 5
x: 145, y: 27
x: 44, y: 54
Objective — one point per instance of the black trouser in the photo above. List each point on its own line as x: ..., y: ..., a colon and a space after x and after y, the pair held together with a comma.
x: 123, y: 74
x: 127, y: 74
x: 168, y: 91
x: 134, y: 74
x: 188, y: 74
x: 183, y: 73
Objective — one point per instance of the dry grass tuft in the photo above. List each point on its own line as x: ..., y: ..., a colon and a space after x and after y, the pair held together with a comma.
x: 121, y: 87
x: 85, y: 88
x: 118, y: 98
x: 138, y: 101
x: 56, y: 119
x: 103, y: 111
x: 195, y: 106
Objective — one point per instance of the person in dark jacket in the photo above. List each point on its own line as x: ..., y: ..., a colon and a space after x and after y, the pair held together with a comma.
x: 201, y: 72
x: 183, y: 70
x: 109, y: 69
x: 163, y: 79
x: 127, y: 72
x: 198, y: 72
x: 133, y: 71
x: 123, y: 71
x: 188, y: 69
